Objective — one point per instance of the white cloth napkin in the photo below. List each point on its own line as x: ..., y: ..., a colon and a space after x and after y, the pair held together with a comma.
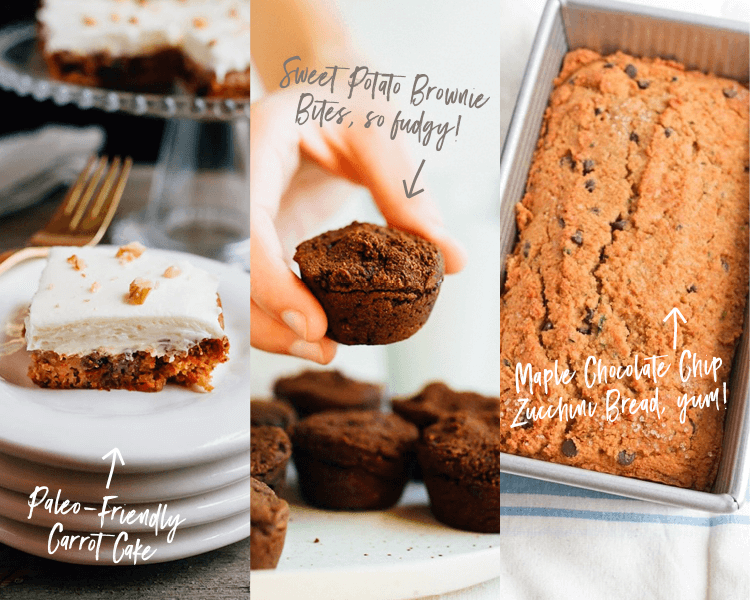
x: 34, y: 164
x: 560, y: 542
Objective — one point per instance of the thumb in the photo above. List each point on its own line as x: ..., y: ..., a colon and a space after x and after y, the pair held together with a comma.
x: 276, y: 290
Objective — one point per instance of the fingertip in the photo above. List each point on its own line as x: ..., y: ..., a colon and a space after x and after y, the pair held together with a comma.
x: 455, y: 258
x: 281, y: 294
x: 266, y: 333
x: 329, y: 347
x: 424, y: 220
x: 306, y: 350
x: 454, y: 253
x: 320, y: 352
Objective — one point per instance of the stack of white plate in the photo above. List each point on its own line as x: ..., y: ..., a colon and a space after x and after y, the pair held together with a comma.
x: 184, y: 486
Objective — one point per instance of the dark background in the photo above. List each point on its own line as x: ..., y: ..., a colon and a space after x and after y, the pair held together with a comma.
x: 126, y: 135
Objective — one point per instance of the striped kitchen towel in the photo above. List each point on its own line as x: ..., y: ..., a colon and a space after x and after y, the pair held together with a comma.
x: 564, y: 542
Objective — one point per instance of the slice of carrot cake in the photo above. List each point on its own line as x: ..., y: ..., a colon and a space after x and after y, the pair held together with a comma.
x: 128, y: 318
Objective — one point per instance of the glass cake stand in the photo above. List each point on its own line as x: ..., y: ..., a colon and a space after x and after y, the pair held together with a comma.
x: 198, y: 199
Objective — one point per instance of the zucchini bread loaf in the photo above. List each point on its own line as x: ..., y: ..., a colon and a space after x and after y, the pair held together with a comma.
x: 636, y: 204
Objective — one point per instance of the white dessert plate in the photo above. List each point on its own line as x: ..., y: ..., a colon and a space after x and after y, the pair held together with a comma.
x: 394, y: 554
x: 184, y: 543
x: 174, y: 428
x: 23, y: 476
x: 196, y: 510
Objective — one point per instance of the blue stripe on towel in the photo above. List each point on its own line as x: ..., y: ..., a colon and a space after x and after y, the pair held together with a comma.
x: 515, y: 484
x: 593, y: 515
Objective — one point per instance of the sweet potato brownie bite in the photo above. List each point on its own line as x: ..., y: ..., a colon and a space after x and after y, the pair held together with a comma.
x: 269, y: 516
x: 273, y: 412
x: 355, y: 460
x: 270, y: 449
x: 376, y: 285
x: 315, y: 391
x: 437, y: 401
x: 460, y: 460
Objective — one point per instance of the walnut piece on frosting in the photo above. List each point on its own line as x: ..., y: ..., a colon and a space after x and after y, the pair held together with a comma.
x: 172, y: 272
x: 130, y: 252
x: 78, y: 263
x: 139, y: 289
x: 95, y: 287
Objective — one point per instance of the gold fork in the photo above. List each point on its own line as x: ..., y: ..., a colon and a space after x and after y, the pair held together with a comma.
x: 84, y: 214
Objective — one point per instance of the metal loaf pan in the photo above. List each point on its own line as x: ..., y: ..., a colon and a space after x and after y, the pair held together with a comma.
x: 707, y: 44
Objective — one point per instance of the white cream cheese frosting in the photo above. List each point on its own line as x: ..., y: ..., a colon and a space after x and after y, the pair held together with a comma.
x: 78, y: 311
x: 215, y: 34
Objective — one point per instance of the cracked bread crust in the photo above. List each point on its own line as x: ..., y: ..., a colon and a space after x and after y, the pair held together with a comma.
x: 636, y: 203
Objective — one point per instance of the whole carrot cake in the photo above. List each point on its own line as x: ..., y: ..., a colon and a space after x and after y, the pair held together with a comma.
x: 148, y: 45
x: 130, y: 318
x: 636, y: 204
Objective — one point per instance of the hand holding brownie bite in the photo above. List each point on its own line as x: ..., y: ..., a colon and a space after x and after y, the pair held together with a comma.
x: 285, y: 317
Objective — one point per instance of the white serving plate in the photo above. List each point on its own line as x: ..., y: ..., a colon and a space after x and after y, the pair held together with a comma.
x: 186, y: 542
x: 393, y: 554
x: 174, y: 428
x: 23, y: 476
x: 195, y: 510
